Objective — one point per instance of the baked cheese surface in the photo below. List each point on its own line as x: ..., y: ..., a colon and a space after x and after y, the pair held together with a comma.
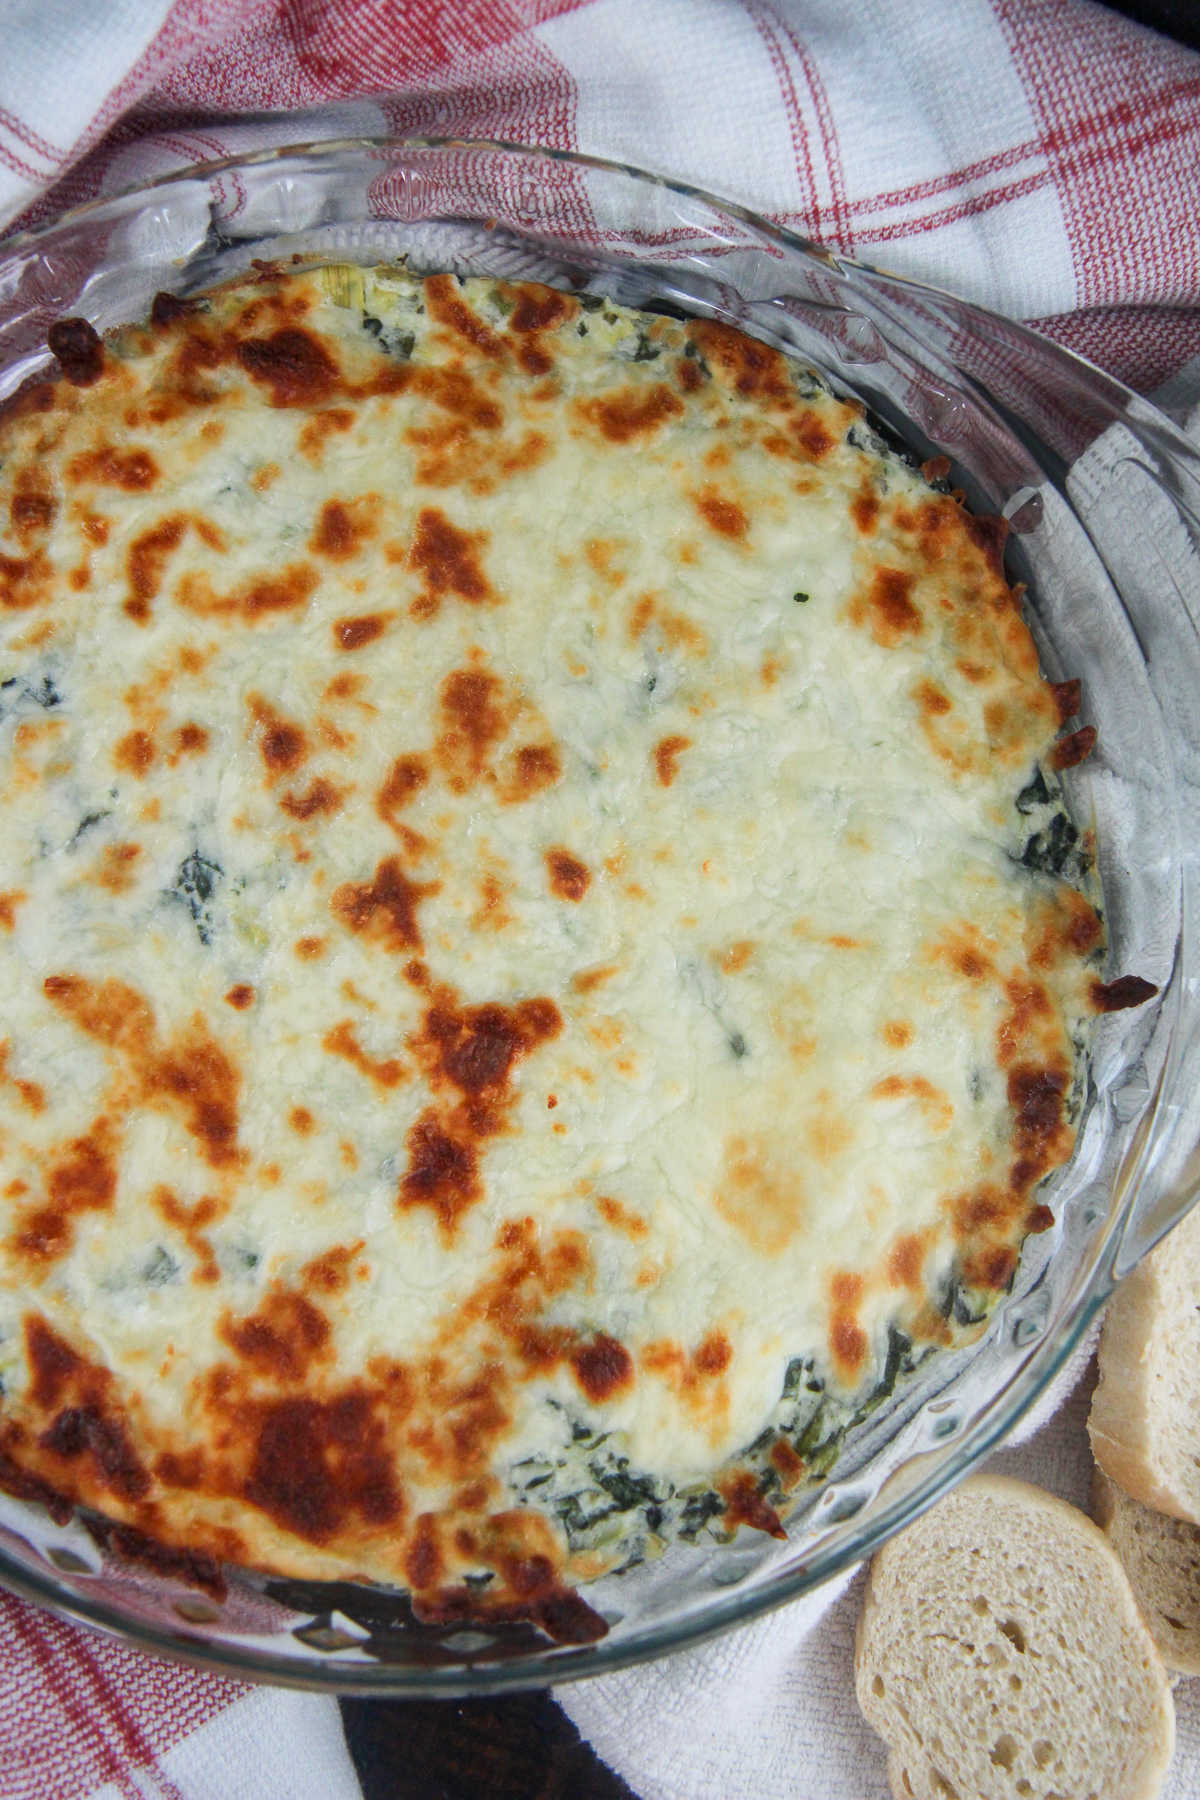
x: 518, y: 927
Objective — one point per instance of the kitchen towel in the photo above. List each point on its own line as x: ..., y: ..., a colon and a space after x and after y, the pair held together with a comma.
x: 1041, y: 156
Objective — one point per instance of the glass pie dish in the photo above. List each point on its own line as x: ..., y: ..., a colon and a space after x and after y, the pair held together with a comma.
x: 1101, y: 496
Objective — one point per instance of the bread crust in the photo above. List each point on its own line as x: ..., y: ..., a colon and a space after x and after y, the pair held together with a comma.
x: 1143, y: 1414
x: 998, y: 1640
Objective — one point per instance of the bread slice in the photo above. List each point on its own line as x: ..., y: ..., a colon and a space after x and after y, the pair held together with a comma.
x: 1001, y: 1656
x: 1161, y: 1557
x: 1145, y: 1419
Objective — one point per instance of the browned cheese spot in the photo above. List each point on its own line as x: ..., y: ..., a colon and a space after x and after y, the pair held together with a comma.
x: 447, y: 560
x: 723, y: 516
x: 472, y: 720
x: 760, y: 1192
x: 989, y: 534
x: 406, y: 777
x: 1068, y: 698
x: 343, y: 527
x: 319, y: 1464
x: 166, y: 308
x: 569, y: 878
x: 135, y: 753
x: 32, y: 509
x: 253, y: 600
x: 355, y: 634
x: 886, y: 609
x: 1073, y: 749
x: 240, y: 996
x: 132, y: 470
x: 445, y: 304
x: 146, y: 564
x: 743, y: 363
x: 78, y: 349
x: 282, y: 1338
x: 745, y: 1505
x: 115, y: 869
x: 864, y: 508
x: 603, y: 1368
x: 25, y: 581
x: 10, y: 899
x: 80, y: 1177
x: 666, y: 757
x: 468, y: 1055
x: 630, y: 413
x: 385, y: 1072
x: 296, y: 366
x: 189, y: 739
x: 191, y: 1075
x: 383, y: 910
x: 906, y: 1262
x: 86, y: 1430
x: 282, y: 744
x: 319, y: 798
x: 1124, y: 992
x: 329, y: 1273
x: 321, y: 426
x: 532, y: 769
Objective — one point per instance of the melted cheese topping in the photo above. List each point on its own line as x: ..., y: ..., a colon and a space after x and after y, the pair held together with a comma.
x: 513, y: 925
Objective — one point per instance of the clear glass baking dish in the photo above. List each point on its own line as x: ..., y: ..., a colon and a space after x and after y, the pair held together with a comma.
x: 1102, y: 496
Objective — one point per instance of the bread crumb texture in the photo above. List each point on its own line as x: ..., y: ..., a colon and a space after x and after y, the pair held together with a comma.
x: 1001, y: 1656
x: 1161, y: 1557
x: 1144, y: 1411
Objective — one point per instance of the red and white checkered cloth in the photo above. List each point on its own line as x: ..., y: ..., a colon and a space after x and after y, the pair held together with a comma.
x: 1042, y: 156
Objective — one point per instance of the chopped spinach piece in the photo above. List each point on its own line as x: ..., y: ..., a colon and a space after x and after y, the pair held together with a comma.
x: 800, y: 597
x: 954, y: 1301
x: 1051, y: 850
x: 896, y: 1361
x: 799, y: 1371
x: 372, y: 324
x: 591, y: 302
x: 646, y: 351
x: 85, y: 825
x: 1034, y: 793
x: 42, y: 693
x: 627, y: 1490
x: 698, y: 1509
x: 738, y: 1044
x: 160, y: 1268
x: 195, y: 886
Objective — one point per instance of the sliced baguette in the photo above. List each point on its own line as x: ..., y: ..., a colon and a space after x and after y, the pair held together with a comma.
x: 1145, y: 1418
x: 1001, y: 1656
x: 1161, y: 1557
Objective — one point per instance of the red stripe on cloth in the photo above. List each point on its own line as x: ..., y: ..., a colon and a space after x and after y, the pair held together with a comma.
x: 20, y: 167
x: 1105, y: 93
x: 943, y: 184
x: 32, y: 140
x: 810, y: 215
x: 1141, y: 345
x: 137, y: 1751
x: 77, y: 1755
x: 77, y: 1710
x: 829, y: 140
x: 967, y: 208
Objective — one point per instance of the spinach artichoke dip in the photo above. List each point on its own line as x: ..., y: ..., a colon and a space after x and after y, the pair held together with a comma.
x: 543, y: 957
